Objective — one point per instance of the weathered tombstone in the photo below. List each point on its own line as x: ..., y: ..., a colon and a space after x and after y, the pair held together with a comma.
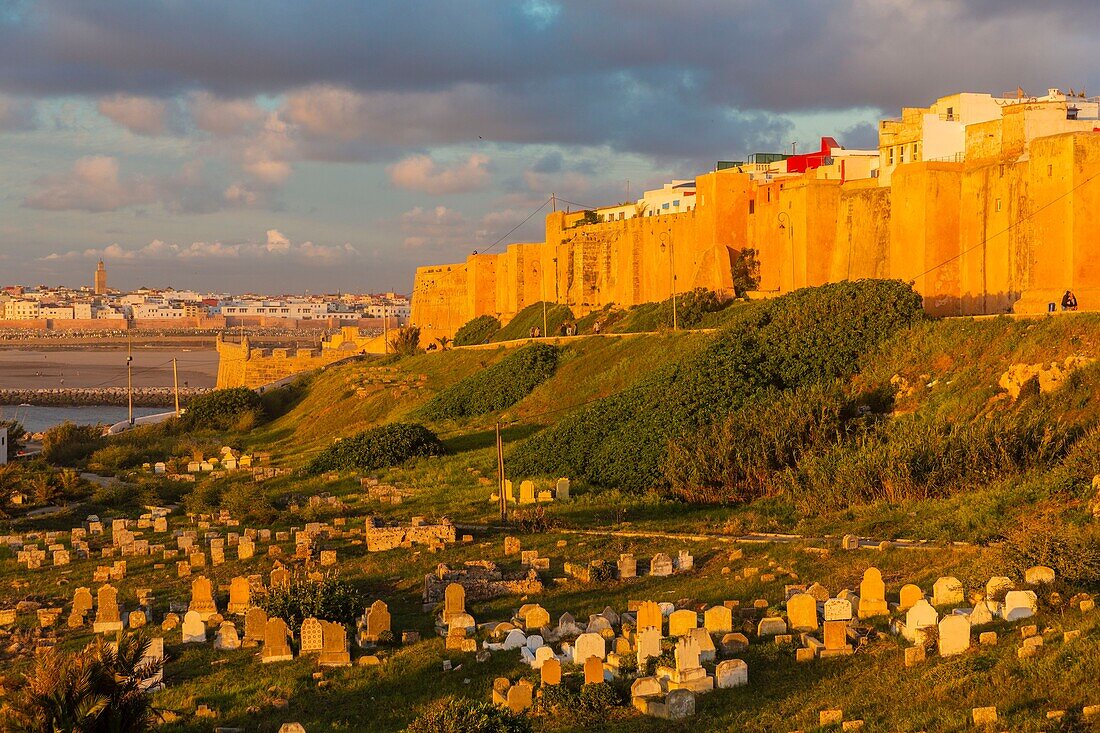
x: 628, y: 566
x: 684, y: 561
x: 512, y: 546
x: 519, y: 696
x: 908, y: 596
x: 550, y: 672
x: 593, y: 671
x: 838, y: 609
x: 246, y: 548
x: 954, y: 636
x: 82, y: 601
x: 255, y: 621
x: 984, y: 612
x: 771, y: 626
x: 454, y: 602
x: 648, y: 644
x: 643, y: 689
x: 872, y: 595
x: 649, y: 615
x: 921, y: 616
x: 703, y: 640
x: 718, y: 620
x: 276, y: 647
x: 947, y: 591
x: 194, y: 628
x: 227, y: 637
x: 735, y: 642
x: 280, y: 577
x: 515, y: 640
x: 378, y: 621
x: 1019, y: 604
x: 136, y: 619
x: 536, y: 618
x: 680, y: 704
x: 1039, y: 574
x: 527, y: 492
x: 334, y: 646
x: 202, y: 598
x: 311, y: 636
x: 682, y: 621
x: 240, y: 595
x: 661, y: 565
x: 588, y: 645
x: 561, y: 489
x: 802, y: 612
x: 731, y: 673
x: 997, y: 587
x: 107, y: 615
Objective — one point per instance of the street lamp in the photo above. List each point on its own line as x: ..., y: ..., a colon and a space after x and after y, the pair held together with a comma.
x: 666, y: 239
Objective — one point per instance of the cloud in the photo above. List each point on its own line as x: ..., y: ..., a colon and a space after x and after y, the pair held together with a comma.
x: 93, y: 184
x: 140, y: 115
x: 438, y: 228
x: 17, y: 115
x: 274, y: 246
x: 223, y: 117
x: 421, y: 173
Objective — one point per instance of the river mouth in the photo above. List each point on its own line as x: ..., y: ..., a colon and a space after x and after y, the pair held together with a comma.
x: 38, y: 418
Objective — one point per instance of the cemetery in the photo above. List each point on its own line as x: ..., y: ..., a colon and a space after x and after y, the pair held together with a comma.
x: 283, y: 598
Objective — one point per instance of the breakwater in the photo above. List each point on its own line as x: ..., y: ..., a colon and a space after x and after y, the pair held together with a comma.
x: 77, y: 396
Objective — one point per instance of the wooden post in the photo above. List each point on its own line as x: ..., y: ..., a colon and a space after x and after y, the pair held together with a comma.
x: 500, y: 477
x: 176, y: 386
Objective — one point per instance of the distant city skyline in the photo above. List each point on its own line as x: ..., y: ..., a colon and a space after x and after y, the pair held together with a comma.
x: 255, y: 146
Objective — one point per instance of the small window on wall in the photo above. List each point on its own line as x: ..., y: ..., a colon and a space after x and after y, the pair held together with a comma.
x: 1050, y: 170
x: 752, y: 207
x: 901, y: 154
x: 998, y: 204
x: 769, y: 194
x: 914, y: 152
x: 891, y: 156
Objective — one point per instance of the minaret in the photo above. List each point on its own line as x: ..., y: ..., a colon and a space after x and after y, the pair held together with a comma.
x: 101, y: 279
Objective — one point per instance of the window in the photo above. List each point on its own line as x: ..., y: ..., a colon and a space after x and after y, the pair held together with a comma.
x: 769, y: 194
x: 752, y: 207
x: 1050, y: 170
x: 901, y: 154
x: 914, y: 153
x: 676, y: 204
x: 998, y: 204
x: 891, y: 156
x: 950, y: 114
x: 664, y: 205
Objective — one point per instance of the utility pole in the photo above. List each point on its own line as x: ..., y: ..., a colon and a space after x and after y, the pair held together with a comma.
x: 130, y: 378
x: 176, y: 386
x: 500, y: 477
x: 666, y: 239
x: 542, y: 288
x: 554, y: 201
x: 385, y: 330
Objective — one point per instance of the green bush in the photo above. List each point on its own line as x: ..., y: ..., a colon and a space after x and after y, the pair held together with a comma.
x: 387, y: 445
x: 463, y: 715
x: 497, y: 387
x: 477, y: 331
x: 222, y: 409
x: 810, y: 336
x: 406, y: 341
x: 327, y: 599
x: 531, y: 317
x: 69, y: 444
x: 1072, y: 551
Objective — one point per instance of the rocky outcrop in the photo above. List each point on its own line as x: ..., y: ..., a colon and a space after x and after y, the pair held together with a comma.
x: 1050, y: 375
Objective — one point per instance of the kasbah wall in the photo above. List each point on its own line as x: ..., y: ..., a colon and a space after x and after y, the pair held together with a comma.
x: 1010, y: 229
x: 240, y: 365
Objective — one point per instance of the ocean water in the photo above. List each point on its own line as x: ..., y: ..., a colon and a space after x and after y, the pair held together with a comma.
x: 36, y: 419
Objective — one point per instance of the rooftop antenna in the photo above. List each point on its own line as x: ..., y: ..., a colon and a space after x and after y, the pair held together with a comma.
x: 794, y: 148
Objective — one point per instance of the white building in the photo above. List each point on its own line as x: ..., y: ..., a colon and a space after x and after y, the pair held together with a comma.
x: 57, y: 312
x: 22, y: 310
x: 156, y: 310
x: 672, y: 198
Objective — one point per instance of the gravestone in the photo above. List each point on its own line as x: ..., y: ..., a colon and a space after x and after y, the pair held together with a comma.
x: 512, y: 546
x: 246, y: 548
x: 908, y: 596
x: 954, y: 635
x: 255, y: 621
x: 136, y: 619
x: 997, y: 587
x: 276, y: 647
x: 628, y: 566
x: 536, y: 618
x: 1039, y: 574
x: 593, y: 671
x: 802, y: 612
x: 588, y: 645
x: 731, y: 673
x: 527, y: 492
x: 107, y: 615
x: 378, y: 621
x: 454, y: 602
x: 227, y: 637
x: 280, y: 577
x: 82, y: 601
x: 661, y: 565
x: 155, y: 652
x: 984, y: 612
x: 872, y: 595
x: 550, y: 672
x: 835, y: 638
x: 838, y: 609
x: 679, y: 704
x: 648, y: 642
x: 311, y: 636
x: 240, y: 595
x: 682, y: 621
x: 334, y: 651
x: 921, y: 616
x: 649, y: 615
x: 771, y: 626
x: 194, y: 628
x: 702, y: 639
x: 947, y: 591
x: 1019, y: 604
x: 519, y: 696
x: 718, y: 620
x: 561, y: 490
x: 202, y: 598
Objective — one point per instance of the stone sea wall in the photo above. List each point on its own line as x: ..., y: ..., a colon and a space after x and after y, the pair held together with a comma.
x: 143, y: 396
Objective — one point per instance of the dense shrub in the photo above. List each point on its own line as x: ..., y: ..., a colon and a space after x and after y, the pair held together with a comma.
x: 691, y: 308
x: 745, y: 271
x: 1073, y: 551
x: 327, y: 599
x: 222, y: 409
x: 806, y: 337
x: 463, y: 715
x: 69, y: 444
x: 406, y: 341
x: 531, y: 317
x: 477, y: 331
x: 387, y: 445
x: 497, y: 387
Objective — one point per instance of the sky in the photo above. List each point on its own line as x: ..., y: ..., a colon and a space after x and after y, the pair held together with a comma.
x: 288, y: 146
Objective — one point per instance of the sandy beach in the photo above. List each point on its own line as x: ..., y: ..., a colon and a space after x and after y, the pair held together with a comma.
x: 21, y: 369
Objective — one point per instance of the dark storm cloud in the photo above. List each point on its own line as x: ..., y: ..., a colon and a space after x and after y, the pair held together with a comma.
x: 651, y: 76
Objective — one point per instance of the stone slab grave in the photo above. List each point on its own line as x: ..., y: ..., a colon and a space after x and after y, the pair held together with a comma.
x: 872, y: 595
x: 334, y: 650
x: 194, y: 628
x: 311, y: 636
x: 107, y: 618
x: 276, y: 644
x: 202, y: 598
x: 374, y: 623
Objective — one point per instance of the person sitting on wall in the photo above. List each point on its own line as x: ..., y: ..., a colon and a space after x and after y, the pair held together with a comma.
x: 1069, y: 301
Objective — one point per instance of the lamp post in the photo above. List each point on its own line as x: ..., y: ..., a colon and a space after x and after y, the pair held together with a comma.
x: 789, y: 226
x: 666, y: 239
